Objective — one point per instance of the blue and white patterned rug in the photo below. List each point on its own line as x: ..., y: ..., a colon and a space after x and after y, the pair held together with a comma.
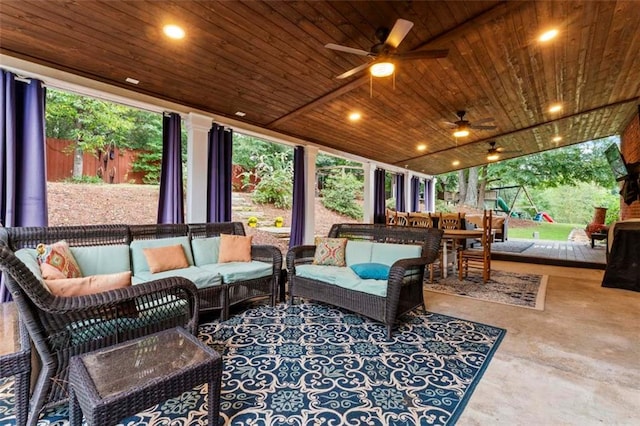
x: 312, y: 364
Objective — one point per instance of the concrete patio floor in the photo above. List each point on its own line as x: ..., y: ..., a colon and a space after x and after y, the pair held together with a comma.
x: 575, y: 363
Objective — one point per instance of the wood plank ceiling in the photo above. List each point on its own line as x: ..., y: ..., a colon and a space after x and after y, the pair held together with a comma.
x: 268, y: 60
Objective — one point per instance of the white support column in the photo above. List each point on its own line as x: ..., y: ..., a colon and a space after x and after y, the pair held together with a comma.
x: 432, y: 195
x: 369, y: 170
x: 198, y: 127
x: 310, y: 154
x: 407, y: 191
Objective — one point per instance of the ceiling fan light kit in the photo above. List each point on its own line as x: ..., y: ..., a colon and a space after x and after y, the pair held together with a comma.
x: 382, y: 69
x: 462, y: 132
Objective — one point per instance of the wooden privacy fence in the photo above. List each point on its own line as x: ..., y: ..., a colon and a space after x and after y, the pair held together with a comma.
x: 112, y: 165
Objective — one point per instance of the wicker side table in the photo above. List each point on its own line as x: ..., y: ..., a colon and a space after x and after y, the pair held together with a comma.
x: 111, y: 384
x: 15, y: 358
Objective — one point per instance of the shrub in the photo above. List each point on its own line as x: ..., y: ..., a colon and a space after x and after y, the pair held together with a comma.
x: 340, y: 193
x: 274, y: 174
x: 84, y: 179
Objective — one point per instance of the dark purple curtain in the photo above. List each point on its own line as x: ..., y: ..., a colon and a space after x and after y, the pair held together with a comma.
x: 171, y: 201
x: 400, y: 201
x: 415, y: 194
x: 379, y: 197
x: 219, y: 174
x: 297, y: 211
x: 23, y: 175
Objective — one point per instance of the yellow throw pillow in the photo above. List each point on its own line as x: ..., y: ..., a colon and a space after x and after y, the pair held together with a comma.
x: 165, y: 258
x: 330, y: 251
x: 235, y: 248
x: 60, y: 257
x: 68, y: 287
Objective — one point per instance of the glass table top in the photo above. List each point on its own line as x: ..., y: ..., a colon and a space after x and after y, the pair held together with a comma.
x: 132, y: 365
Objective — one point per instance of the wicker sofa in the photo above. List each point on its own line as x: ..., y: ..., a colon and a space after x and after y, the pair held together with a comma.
x: 381, y: 300
x: 61, y: 327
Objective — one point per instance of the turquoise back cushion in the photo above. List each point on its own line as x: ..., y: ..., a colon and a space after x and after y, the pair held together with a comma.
x: 358, y: 252
x: 98, y: 260
x: 388, y: 254
x: 29, y: 257
x: 205, y: 250
x: 137, y: 255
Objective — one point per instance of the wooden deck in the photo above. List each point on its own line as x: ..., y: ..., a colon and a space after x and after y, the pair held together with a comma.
x: 574, y: 254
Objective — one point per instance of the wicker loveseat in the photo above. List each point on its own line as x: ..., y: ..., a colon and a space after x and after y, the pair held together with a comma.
x: 382, y: 300
x: 61, y: 327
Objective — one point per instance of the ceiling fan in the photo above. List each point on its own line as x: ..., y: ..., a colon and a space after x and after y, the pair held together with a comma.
x: 462, y: 126
x: 383, y: 52
x: 493, y: 153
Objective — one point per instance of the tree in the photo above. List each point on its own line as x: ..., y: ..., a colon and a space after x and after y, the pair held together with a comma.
x: 471, y: 198
x: 95, y: 125
x: 564, y: 166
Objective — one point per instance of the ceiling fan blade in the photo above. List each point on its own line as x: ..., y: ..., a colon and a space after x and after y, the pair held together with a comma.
x: 423, y: 54
x: 473, y: 126
x: 482, y: 121
x: 353, y: 71
x: 399, y: 31
x: 346, y: 49
x: 449, y: 123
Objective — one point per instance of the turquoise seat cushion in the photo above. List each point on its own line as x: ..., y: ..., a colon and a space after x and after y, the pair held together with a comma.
x: 200, y: 277
x: 98, y: 260
x: 139, y: 261
x: 388, y: 254
x: 375, y: 271
x: 205, y: 250
x: 358, y: 252
x: 342, y: 276
x: 232, y: 272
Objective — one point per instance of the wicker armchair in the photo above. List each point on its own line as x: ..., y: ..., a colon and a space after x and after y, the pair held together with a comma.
x: 61, y: 327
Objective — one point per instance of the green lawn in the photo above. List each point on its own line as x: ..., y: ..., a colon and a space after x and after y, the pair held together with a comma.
x: 547, y: 231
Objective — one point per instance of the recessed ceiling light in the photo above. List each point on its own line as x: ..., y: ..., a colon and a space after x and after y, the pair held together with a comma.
x: 557, y: 138
x: 548, y: 35
x: 173, y: 31
x: 355, y: 116
x: 421, y: 147
x: 555, y: 108
x: 240, y: 113
x: 455, y: 163
x: 132, y: 80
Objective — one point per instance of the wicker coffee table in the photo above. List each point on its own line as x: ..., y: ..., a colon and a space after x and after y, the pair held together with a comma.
x: 111, y: 384
x: 15, y: 358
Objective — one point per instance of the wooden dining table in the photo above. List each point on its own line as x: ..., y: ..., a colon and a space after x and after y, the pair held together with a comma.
x: 455, y: 235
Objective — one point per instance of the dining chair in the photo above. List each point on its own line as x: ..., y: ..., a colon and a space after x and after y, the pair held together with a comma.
x: 390, y: 217
x: 422, y: 220
x: 402, y: 219
x: 478, y: 258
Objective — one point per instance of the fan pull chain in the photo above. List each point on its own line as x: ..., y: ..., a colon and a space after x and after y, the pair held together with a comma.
x: 370, y: 86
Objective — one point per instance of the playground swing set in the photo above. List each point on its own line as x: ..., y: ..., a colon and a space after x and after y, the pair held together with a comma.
x: 522, y: 211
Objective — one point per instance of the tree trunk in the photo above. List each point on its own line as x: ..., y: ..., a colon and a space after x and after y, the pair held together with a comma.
x: 462, y: 186
x: 471, y: 197
x: 482, y: 186
x: 77, y: 161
